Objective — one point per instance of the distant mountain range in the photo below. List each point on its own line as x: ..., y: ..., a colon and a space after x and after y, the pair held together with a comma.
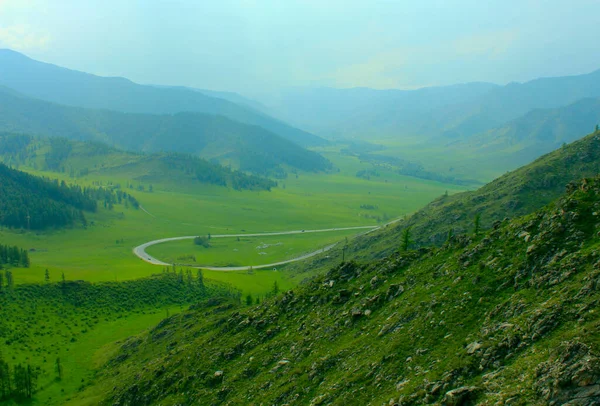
x: 250, y: 148
x: 64, y: 86
x: 535, y: 133
x: 365, y: 113
x: 451, y: 111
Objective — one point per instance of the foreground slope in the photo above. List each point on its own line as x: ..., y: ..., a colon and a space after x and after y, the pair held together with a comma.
x: 213, y: 137
x: 56, y: 84
x: 503, y: 317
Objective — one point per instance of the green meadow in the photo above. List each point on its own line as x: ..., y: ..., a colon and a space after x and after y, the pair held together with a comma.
x: 103, y: 251
x: 245, y: 251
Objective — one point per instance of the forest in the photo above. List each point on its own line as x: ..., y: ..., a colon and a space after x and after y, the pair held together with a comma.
x: 34, y: 203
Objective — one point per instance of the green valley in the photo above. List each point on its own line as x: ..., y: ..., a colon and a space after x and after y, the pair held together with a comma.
x: 299, y: 203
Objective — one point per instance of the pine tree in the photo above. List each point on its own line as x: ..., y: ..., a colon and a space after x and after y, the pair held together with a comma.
x: 406, y: 239
x: 47, y: 276
x: 9, y: 279
x: 249, y: 300
x: 25, y: 259
x: 200, y: 279
x: 477, y: 224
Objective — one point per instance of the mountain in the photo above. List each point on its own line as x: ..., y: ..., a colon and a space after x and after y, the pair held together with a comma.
x: 516, y: 99
x: 524, y: 139
x: 449, y: 111
x: 64, y: 86
x: 80, y: 159
x: 235, y: 98
x: 250, y: 148
x: 514, y: 194
x: 504, y: 317
x: 365, y: 113
x: 542, y: 130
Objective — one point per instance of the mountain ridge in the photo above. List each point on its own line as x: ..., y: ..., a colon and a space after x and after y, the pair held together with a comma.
x: 79, y: 89
x: 213, y: 137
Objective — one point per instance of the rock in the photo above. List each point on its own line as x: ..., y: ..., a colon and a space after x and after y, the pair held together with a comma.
x: 280, y: 364
x: 367, y: 312
x: 393, y: 291
x: 342, y: 296
x: 461, y: 396
x: 219, y: 374
x: 525, y: 235
x: 384, y: 329
x: 473, y: 347
x: 375, y: 281
x: 572, y: 374
x: 356, y: 312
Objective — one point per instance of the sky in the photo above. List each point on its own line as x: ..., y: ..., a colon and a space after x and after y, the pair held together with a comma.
x: 259, y: 46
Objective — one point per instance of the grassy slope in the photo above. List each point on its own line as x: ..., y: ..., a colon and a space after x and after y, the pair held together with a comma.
x: 516, y: 193
x: 499, y: 316
x: 75, y: 320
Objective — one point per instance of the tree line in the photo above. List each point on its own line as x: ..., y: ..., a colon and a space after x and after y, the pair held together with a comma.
x: 14, y: 256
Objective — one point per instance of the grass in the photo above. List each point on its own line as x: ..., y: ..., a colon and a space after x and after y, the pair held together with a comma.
x: 245, y: 251
x: 392, y: 328
x: 75, y: 321
x: 80, y: 358
x: 102, y: 252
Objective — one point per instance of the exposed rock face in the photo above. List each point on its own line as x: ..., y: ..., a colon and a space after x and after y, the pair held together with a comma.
x: 461, y: 396
x: 571, y: 376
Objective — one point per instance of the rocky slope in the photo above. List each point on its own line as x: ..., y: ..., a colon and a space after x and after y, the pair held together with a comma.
x: 514, y: 194
x: 505, y: 317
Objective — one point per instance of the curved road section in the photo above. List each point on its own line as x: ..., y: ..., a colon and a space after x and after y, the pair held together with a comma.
x: 140, y: 250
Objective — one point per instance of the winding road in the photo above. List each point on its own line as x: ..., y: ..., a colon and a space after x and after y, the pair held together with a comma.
x: 140, y: 250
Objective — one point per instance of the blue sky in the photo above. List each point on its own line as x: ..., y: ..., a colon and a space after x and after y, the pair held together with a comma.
x: 259, y: 46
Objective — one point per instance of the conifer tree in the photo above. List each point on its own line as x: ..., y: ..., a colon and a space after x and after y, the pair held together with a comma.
x: 477, y: 224
x: 406, y: 239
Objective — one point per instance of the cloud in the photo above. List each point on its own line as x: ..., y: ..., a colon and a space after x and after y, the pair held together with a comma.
x: 22, y: 37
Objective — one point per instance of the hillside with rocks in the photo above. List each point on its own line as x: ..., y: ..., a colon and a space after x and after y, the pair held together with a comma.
x: 514, y: 194
x: 503, y: 317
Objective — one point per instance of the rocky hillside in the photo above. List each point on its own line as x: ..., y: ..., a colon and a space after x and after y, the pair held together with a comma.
x: 505, y: 317
x: 514, y: 194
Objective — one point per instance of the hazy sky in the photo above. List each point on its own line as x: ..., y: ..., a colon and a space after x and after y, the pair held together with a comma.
x: 251, y: 46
